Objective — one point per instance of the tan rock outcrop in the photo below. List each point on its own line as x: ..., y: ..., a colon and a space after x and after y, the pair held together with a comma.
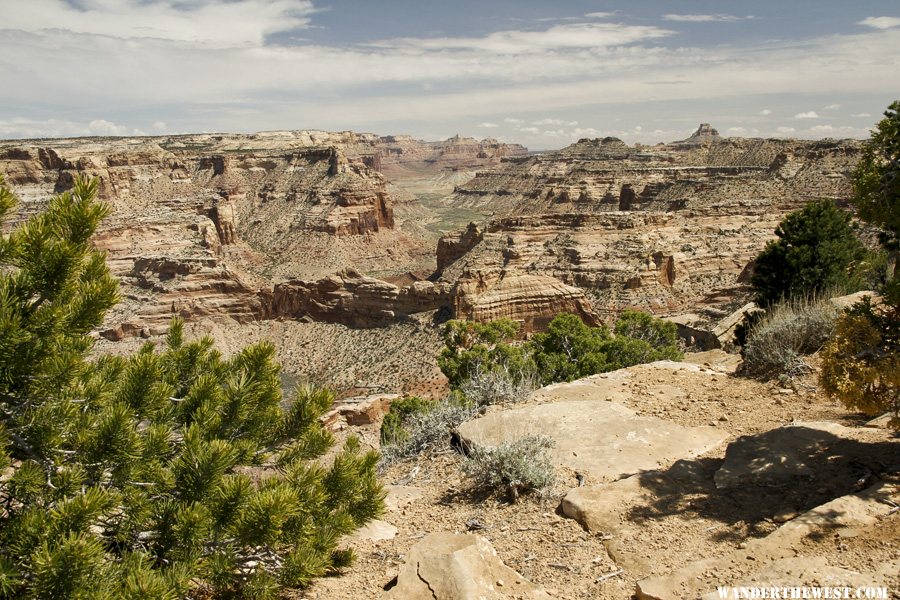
x: 351, y: 298
x: 451, y: 247
x: 534, y: 300
x: 449, y: 566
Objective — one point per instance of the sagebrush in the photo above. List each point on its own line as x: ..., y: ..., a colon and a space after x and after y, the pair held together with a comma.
x: 789, y: 331
x: 429, y: 430
x: 514, y: 468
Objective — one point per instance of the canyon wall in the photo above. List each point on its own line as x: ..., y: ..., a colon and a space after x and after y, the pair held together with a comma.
x: 668, y: 228
x: 303, y: 225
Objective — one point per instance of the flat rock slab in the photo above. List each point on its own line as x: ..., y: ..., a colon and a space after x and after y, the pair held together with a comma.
x: 779, y: 455
x: 882, y: 422
x: 857, y: 514
x: 595, y: 435
x: 375, y: 531
x: 399, y: 496
x: 453, y: 566
x: 602, y: 508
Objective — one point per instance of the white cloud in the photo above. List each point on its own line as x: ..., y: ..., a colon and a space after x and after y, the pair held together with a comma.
x: 832, y: 107
x: 222, y: 23
x: 160, y: 126
x: 694, y: 18
x: 20, y: 127
x: 785, y: 130
x: 742, y: 131
x: 807, y: 115
x: 488, y: 125
x: 559, y: 37
x: 248, y: 86
x: 765, y: 112
x: 880, y: 22
x: 555, y: 122
x: 822, y: 129
x: 104, y: 127
x: 599, y: 15
x: 529, y: 130
x: 862, y: 114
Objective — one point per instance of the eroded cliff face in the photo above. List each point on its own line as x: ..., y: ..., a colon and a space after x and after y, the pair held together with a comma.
x: 402, y: 156
x: 202, y: 227
x: 303, y: 226
x: 533, y: 300
x: 669, y: 228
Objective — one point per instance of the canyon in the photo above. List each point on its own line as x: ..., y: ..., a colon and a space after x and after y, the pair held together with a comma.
x: 329, y: 233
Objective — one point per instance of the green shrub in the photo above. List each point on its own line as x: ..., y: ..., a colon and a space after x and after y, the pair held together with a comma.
x: 861, y: 365
x: 661, y: 335
x: 876, y: 180
x: 392, y: 427
x: 787, y: 332
x: 480, y: 356
x: 470, y: 347
x: 817, y: 249
x: 571, y: 350
x: 514, y: 468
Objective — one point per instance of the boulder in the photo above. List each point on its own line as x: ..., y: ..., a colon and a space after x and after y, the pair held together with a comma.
x: 595, y: 436
x: 450, y: 566
x: 849, y: 300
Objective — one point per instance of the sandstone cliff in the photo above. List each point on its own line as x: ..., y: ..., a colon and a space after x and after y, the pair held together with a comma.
x: 669, y: 228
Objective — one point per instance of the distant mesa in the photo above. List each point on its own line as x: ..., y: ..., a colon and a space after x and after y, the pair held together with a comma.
x: 705, y: 133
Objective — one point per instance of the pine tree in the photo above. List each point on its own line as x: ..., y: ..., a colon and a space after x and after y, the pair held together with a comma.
x: 171, y: 472
x: 816, y: 249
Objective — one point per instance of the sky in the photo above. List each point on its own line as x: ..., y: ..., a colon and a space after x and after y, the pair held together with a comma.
x: 539, y: 73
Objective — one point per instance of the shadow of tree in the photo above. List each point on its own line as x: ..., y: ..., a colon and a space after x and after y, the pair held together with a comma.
x: 779, y: 473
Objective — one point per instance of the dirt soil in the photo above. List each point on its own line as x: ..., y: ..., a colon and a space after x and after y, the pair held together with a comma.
x: 673, y: 529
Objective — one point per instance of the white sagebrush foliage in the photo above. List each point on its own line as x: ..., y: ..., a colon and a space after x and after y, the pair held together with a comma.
x: 516, y: 467
x: 428, y: 431
x: 789, y: 331
x: 499, y: 385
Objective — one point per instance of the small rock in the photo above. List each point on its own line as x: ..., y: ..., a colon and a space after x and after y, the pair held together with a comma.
x: 784, y: 515
x: 785, y: 391
x: 723, y: 418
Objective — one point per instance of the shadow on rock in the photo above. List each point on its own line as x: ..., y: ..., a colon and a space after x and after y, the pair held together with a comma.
x: 771, y: 476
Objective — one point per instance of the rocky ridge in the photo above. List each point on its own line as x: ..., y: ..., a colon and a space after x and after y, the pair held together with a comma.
x: 673, y: 479
x: 665, y: 228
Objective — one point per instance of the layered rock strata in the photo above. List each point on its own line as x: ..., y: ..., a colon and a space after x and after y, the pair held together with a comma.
x: 669, y: 228
x: 532, y: 300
